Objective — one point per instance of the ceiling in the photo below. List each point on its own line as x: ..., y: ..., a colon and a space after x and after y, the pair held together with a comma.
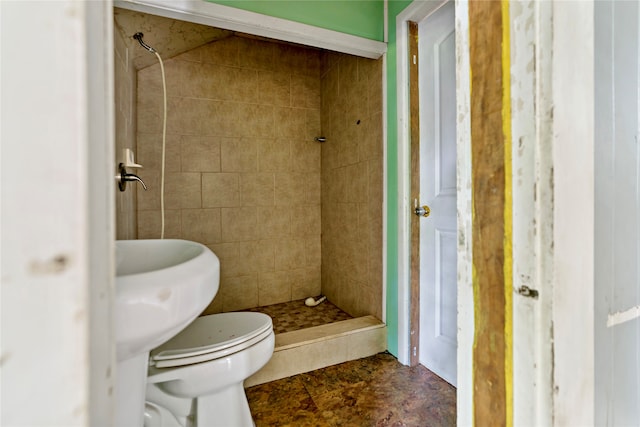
x: 169, y: 37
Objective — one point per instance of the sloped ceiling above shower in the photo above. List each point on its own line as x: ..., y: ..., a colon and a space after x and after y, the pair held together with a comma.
x: 169, y: 37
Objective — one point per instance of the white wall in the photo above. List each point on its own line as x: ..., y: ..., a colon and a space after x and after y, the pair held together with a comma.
x: 57, y: 205
x: 573, y: 223
x: 617, y: 210
x: 532, y: 192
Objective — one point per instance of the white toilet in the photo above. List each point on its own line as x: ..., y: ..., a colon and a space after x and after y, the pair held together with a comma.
x: 196, y: 378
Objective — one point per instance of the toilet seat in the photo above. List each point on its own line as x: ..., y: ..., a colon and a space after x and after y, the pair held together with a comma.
x: 212, y: 337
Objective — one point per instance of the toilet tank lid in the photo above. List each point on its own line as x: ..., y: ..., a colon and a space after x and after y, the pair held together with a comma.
x: 212, y: 333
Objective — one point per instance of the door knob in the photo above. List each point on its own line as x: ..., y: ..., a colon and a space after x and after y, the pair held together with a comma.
x: 422, y: 211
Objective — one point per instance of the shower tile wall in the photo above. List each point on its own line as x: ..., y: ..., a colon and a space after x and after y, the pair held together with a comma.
x: 125, y: 96
x: 352, y: 183
x: 242, y: 167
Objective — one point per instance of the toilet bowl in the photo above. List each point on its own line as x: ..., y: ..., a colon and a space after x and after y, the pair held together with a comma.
x: 198, y: 375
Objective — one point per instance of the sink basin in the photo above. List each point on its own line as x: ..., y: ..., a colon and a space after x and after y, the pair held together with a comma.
x: 161, y: 287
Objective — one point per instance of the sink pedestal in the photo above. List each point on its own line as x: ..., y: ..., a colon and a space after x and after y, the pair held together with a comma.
x: 131, y: 383
x: 161, y: 287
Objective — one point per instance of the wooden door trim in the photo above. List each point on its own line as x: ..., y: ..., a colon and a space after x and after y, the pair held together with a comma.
x: 414, y: 137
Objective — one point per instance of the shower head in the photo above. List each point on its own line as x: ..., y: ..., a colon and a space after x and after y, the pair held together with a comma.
x: 138, y: 36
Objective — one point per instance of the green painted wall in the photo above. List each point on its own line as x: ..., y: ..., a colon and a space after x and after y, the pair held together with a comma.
x: 362, y: 18
x: 394, y: 8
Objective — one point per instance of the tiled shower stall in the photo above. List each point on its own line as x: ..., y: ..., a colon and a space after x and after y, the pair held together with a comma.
x: 289, y: 217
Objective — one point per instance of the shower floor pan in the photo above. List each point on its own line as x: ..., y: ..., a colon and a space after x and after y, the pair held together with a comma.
x: 310, y: 338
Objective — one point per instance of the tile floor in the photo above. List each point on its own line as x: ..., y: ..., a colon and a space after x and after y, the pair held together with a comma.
x: 294, y: 315
x: 374, y: 391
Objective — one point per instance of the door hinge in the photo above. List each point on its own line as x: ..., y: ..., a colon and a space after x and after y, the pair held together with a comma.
x: 526, y: 291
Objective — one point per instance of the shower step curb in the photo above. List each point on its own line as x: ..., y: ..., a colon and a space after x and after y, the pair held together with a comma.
x: 314, y: 348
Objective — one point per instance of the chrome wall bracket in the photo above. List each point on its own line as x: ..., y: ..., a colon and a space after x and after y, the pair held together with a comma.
x: 123, y: 176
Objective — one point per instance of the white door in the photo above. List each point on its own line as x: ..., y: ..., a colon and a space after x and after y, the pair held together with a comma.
x: 438, y: 242
x: 617, y: 213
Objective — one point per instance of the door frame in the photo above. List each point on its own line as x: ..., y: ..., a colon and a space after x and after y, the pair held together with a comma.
x: 414, y: 28
x: 58, y: 218
x: 558, y: 166
x: 416, y: 12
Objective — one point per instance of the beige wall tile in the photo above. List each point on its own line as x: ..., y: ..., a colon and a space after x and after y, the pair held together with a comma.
x: 214, y: 307
x: 239, y: 119
x: 258, y: 254
x: 215, y: 120
x: 201, y: 225
x: 228, y: 254
x: 241, y: 85
x: 185, y: 116
x: 220, y: 190
x: 297, y: 279
x: 257, y: 120
x: 355, y: 100
x: 257, y: 54
x: 239, y: 224
x: 337, y: 119
x: 331, y: 59
x: 375, y: 188
x: 274, y: 155
x: 257, y: 189
x: 309, y: 285
x: 371, y: 146
x: 221, y: 52
x: 193, y: 55
x: 305, y: 155
x: 290, y: 122
x: 211, y: 81
x: 274, y: 287
x: 313, y: 251
x: 149, y: 152
x: 274, y: 88
x: 149, y: 111
x: 177, y: 72
x: 350, y: 146
x: 357, y: 177
x: 289, y: 254
x: 149, y: 224
x: 348, y: 72
x: 274, y: 221
x: 305, y: 91
x: 183, y: 190
x: 290, y: 189
x: 239, y: 293
x: 149, y: 199
x: 239, y: 155
x: 359, y: 251
x: 125, y: 131
x: 246, y: 177
x: 306, y: 220
x: 200, y: 154
x: 313, y: 189
x: 293, y: 59
x: 150, y: 79
x: 314, y: 123
x: 352, y: 184
x: 244, y: 258
x: 329, y: 85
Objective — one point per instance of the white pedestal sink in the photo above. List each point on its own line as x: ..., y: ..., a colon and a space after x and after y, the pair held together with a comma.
x: 161, y: 287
